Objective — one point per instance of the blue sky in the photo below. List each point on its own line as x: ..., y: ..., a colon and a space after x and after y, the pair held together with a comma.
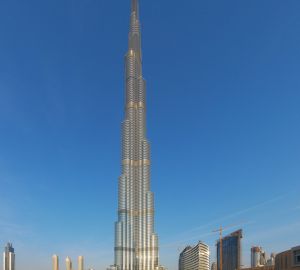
x: 223, y: 120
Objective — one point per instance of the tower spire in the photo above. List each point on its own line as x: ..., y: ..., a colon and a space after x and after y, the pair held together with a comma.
x: 135, y: 31
x: 134, y: 7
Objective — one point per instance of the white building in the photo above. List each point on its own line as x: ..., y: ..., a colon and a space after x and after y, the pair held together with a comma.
x: 194, y: 258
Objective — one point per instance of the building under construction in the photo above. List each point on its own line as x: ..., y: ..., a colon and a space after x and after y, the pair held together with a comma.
x: 231, y: 251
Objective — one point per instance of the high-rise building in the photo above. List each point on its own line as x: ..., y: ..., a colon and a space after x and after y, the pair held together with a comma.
x: 136, y: 243
x: 231, y: 251
x: 80, y: 263
x: 68, y: 264
x: 194, y: 258
x: 258, y: 257
x: 55, y: 262
x: 9, y: 257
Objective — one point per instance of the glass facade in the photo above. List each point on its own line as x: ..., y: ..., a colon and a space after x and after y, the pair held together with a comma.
x: 231, y: 251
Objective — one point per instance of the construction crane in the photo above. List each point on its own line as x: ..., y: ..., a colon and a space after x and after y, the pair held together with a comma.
x: 220, y: 231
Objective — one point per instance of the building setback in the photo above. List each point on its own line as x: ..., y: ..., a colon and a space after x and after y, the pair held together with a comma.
x: 136, y: 243
x: 194, y: 258
x: 231, y: 251
x: 9, y: 257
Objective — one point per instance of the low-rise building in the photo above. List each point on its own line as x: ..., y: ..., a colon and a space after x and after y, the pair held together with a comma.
x: 194, y: 258
x: 288, y: 260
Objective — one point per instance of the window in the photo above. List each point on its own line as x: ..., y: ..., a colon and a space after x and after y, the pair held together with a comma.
x: 297, y: 257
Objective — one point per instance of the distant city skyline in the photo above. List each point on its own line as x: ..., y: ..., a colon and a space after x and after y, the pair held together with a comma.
x: 223, y: 112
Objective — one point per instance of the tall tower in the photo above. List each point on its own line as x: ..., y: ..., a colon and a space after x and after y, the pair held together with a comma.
x: 136, y: 244
x: 55, y: 263
x: 80, y: 263
x: 9, y: 257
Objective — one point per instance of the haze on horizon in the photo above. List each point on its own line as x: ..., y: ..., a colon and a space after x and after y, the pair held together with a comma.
x: 222, y: 113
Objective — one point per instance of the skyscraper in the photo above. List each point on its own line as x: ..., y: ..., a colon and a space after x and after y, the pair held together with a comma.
x: 80, y: 263
x: 68, y: 264
x: 55, y: 262
x: 136, y: 244
x: 258, y: 257
x: 9, y: 257
x: 194, y: 258
x: 231, y: 251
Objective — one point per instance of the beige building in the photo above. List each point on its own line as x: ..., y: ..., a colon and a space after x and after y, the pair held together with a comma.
x: 55, y: 262
x: 288, y: 260
x: 68, y: 263
x: 80, y: 263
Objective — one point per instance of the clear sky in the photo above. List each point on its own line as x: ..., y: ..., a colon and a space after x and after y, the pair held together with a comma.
x: 223, y: 82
